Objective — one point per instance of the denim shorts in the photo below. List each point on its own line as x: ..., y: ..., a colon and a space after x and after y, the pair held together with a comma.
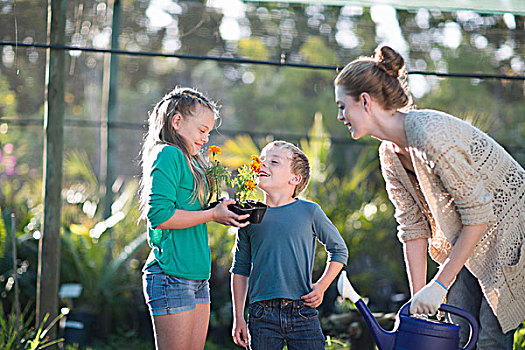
x: 166, y: 294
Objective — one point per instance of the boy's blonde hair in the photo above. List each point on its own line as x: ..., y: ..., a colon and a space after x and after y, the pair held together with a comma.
x: 299, y: 165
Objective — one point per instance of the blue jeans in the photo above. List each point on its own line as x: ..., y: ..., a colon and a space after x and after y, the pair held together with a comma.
x: 271, y: 323
x: 466, y: 294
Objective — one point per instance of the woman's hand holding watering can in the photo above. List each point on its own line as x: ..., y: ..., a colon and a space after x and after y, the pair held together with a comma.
x: 428, y: 299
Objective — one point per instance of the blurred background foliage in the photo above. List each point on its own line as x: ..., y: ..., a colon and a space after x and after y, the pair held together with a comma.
x: 259, y: 103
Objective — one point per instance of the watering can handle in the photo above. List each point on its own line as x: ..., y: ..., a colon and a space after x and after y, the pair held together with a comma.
x: 473, y: 323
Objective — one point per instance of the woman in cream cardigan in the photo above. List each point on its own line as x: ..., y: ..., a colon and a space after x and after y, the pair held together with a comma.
x: 457, y: 193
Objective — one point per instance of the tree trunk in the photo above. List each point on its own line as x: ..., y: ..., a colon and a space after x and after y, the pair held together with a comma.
x: 49, y: 245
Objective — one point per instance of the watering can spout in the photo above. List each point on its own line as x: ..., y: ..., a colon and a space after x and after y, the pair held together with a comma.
x: 384, y: 340
x: 345, y: 288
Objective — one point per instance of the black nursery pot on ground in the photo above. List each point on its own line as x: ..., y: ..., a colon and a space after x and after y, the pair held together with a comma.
x: 256, y: 210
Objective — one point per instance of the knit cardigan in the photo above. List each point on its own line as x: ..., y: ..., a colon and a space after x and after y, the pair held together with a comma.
x: 463, y: 177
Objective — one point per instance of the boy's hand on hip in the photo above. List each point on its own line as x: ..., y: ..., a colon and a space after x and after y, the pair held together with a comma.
x: 314, y: 298
x: 240, y: 332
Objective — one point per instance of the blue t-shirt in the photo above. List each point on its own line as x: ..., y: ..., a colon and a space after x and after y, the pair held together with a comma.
x: 278, y: 254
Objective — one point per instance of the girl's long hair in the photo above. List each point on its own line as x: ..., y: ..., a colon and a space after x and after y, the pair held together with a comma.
x: 184, y: 101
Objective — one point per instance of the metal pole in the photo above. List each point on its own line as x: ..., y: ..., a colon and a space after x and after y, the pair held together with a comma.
x: 49, y: 245
x: 111, y: 89
x: 15, y: 277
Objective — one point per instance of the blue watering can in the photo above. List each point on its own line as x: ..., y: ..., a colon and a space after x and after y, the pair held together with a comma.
x: 412, y: 333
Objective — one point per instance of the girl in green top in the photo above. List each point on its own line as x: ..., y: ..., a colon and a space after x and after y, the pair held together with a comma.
x: 173, y: 198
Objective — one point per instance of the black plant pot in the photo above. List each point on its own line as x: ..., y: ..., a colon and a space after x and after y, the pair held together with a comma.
x: 78, y: 327
x: 256, y: 210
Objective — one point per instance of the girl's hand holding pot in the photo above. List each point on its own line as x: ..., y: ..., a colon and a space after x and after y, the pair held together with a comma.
x: 428, y: 299
x: 224, y: 216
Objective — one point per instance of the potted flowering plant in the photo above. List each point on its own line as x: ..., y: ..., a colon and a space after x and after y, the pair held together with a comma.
x: 217, y: 173
x: 244, y: 183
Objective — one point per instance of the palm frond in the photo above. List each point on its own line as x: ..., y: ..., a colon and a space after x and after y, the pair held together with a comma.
x: 236, y: 151
x: 77, y: 166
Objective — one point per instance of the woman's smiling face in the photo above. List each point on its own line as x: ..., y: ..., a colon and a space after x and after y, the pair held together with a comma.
x: 351, y: 112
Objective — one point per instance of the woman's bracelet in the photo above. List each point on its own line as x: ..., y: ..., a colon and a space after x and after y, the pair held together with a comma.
x: 442, y: 285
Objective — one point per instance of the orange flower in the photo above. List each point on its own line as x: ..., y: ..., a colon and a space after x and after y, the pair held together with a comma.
x: 214, y: 150
x: 256, y: 167
x: 250, y: 185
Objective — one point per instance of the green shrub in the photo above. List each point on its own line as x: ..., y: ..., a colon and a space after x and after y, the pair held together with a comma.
x: 519, y: 338
x: 17, y: 333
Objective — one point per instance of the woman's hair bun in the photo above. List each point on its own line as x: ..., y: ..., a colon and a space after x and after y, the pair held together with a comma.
x: 389, y: 61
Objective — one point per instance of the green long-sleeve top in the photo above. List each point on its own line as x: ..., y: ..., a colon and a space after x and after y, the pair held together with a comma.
x: 180, y: 252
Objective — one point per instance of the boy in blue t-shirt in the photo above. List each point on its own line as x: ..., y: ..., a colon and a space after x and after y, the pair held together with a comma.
x: 273, y: 260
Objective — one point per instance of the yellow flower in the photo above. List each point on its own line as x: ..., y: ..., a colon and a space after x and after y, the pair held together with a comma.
x: 256, y: 159
x: 214, y: 150
x: 250, y: 185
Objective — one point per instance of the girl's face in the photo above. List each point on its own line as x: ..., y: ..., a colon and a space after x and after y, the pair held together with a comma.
x: 351, y: 112
x: 276, y: 170
x: 194, y: 130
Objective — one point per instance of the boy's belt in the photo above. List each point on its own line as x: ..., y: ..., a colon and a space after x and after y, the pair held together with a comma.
x: 281, y: 302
